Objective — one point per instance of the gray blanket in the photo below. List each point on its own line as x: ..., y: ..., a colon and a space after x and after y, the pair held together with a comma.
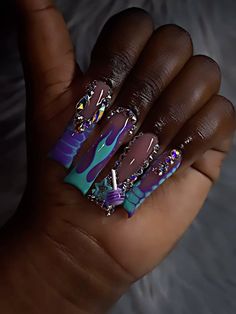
x: 199, y: 277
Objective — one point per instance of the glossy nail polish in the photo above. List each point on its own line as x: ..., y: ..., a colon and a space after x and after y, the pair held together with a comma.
x: 160, y: 170
x: 130, y: 165
x: 89, y: 110
x: 91, y: 164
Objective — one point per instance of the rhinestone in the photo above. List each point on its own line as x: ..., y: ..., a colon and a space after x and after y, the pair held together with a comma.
x: 134, y: 119
x: 133, y: 177
x: 82, y: 103
x: 140, y: 171
x: 117, y: 163
x: 168, y: 160
x: 175, y: 154
x: 78, y: 118
x: 156, y: 148
x: 80, y: 128
x: 150, y: 158
x: 163, y: 167
x: 98, y: 115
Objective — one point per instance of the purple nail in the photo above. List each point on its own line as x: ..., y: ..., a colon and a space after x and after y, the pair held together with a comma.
x: 89, y: 110
x: 161, y: 169
x: 92, y: 163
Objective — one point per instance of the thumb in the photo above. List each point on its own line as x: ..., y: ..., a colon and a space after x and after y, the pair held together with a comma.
x: 47, y: 50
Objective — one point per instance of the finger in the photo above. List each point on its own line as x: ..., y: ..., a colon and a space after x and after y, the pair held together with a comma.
x: 118, y: 47
x: 47, y: 50
x: 187, y: 94
x: 117, y: 50
x: 212, y: 128
x: 212, y: 124
x: 166, y: 53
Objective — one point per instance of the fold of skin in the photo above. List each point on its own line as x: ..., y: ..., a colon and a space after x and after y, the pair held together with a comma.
x: 89, y: 110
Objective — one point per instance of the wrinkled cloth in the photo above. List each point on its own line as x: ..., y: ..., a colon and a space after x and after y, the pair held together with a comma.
x: 199, y: 276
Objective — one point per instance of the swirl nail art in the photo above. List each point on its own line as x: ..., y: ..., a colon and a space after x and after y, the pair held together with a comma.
x: 121, y: 123
x: 160, y: 170
x: 88, y: 111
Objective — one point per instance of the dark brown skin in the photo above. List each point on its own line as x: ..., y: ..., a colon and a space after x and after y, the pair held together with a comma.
x: 60, y: 254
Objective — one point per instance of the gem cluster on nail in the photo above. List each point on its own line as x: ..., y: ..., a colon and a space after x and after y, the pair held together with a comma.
x: 164, y: 166
x: 80, y: 122
x: 88, y: 111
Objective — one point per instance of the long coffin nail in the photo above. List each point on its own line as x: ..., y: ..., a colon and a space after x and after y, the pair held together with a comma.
x: 121, y: 122
x: 161, y: 169
x: 130, y: 165
x: 88, y: 111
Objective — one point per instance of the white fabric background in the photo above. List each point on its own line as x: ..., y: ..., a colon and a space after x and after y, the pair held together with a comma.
x: 199, y: 277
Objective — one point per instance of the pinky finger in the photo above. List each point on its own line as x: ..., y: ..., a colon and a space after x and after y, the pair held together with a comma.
x: 211, y: 129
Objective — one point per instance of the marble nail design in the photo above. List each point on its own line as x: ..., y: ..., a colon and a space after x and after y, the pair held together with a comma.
x: 89, y: 110
x: 130, y: 165
x: 160, y: 170
x: 121, y: 122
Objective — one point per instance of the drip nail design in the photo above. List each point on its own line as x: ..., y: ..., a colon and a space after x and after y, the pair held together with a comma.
x: 88, y: 111
x: 130, y: 165
x: 121, y: 122
x: 161, y: 169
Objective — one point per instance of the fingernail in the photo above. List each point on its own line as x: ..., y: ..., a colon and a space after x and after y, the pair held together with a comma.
x: 121, y: 122
x: 88, y: 111
x: 130, y: 165
x: 160, y: 170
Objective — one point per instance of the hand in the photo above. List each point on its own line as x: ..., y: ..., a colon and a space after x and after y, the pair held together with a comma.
x: 85, y: 257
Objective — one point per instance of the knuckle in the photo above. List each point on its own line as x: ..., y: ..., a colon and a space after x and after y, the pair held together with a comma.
x: 112, y: 66
x: 146, y: 90
x: 120, y: 63
x: 122, y: 60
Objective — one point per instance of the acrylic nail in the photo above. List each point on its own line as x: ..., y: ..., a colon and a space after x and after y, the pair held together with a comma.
x: 88, y: 111
x: 121, y: 122
x: 130, y: 165
x: 160, y: 170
